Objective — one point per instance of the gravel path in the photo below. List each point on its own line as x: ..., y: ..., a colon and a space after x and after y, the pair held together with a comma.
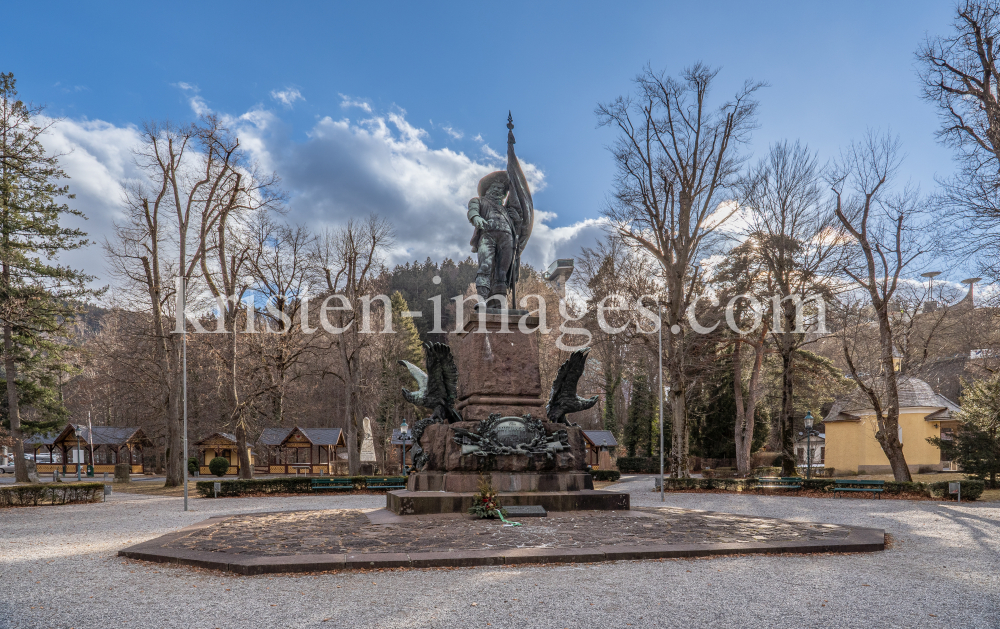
x: 58, y: 569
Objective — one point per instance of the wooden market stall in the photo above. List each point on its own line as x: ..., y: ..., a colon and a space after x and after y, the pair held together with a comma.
x: 600, y: 445
x: 303, y: 450
x: 100, y: 446
x: 220, y: 444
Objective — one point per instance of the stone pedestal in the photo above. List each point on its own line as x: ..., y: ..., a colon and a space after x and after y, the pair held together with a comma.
x: 405, y: 502
x: 464, y: 482
x: 444, y: 454
x: 497, y: 369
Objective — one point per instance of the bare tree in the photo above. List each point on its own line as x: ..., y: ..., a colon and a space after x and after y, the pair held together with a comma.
x: 350, y: 260
x: 797, y: 238
x: 281, y: 268
x: 244, y: 193
x: 677, y: 159
x: 169, y: 217
x: 960, y: 75
x: 882, y: 227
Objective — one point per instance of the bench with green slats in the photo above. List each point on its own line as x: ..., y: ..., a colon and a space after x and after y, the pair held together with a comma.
x: 779, y: 483
x: 322, y: 484
x: 386, y: 482
x: 874, y: 486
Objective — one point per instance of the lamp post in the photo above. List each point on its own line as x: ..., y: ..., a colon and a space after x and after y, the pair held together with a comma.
x: 79, y: 453
x: 404, y: 432
x: 809, y: 428
x: 659, y: 362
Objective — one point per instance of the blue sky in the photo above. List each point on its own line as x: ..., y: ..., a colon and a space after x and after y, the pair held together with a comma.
x: 450, y: 72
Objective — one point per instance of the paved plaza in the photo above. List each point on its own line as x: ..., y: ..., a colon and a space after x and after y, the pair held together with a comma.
x: 59, y: 568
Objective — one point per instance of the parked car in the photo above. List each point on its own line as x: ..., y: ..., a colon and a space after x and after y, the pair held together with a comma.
x: 7, y: 468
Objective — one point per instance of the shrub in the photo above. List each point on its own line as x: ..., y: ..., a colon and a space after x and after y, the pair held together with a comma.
x: 766, y: 471
x: 763, y: 459
x: 971, y: 489
x: 725, y: 484
x: 639, y: 464
x: 606, y: 475
x: 218, y: 466
x: 193, y: 466
x: 898, y: 489
x: 49, y: 494
x: 719, y: 472
x: 291, y: 485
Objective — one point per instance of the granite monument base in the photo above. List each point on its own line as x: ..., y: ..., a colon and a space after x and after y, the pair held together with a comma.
x: 406, y: 502
x: 463, y: 482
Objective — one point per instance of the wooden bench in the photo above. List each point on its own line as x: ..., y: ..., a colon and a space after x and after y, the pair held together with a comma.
x: 386, y: 482
x: 779, y: 483
x: 874, y: 486
x: 320, y: 484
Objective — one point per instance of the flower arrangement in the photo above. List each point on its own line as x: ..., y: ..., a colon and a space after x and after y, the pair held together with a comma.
x: 486, y: 503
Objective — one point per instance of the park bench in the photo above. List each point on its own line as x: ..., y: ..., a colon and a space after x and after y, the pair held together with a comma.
x: 874, y: 486
x: 321, y: 484
x: 779, y: 483
x: 386, y: 482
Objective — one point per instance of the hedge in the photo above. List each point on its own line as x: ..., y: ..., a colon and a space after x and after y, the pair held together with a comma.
x: 639, y: 464
x: 606, y: 475
x: 50, y: 494
x: 971, y: 489
x: 292, y: 485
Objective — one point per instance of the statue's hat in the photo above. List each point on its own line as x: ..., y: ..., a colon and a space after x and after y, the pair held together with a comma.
x: 499, y: 176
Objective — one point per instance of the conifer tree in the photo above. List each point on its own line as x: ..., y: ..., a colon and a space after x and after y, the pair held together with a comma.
x: 37, y: 295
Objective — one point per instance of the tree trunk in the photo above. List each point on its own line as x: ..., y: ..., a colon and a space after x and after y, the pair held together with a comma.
x: 889, y: 433
x: 21, y: 474
x: 745, y: 413
x: 679, y: 435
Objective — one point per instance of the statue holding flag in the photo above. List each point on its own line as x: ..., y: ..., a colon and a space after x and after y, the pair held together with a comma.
x: 503, y: 215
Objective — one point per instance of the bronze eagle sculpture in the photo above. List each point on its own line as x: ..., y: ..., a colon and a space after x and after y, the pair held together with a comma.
x: 437, y: 388
x: 563, y: 398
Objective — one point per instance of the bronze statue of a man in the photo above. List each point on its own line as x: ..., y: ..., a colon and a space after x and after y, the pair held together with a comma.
x: 503, y: 215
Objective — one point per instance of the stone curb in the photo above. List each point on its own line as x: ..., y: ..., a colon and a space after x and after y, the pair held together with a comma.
x: 860, y: 540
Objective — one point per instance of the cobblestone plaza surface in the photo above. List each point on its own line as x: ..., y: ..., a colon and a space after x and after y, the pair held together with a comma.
x: 350, y: 531
x: 59, y: 568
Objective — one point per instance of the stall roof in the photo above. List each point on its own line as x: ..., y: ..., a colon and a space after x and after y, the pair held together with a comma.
x: 105, y: 435
x: 225, y: 435
x: 601, y: 438
x: 274, y: 436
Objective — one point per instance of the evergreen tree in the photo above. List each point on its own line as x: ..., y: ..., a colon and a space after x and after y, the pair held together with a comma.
x: 712, y: 434
x: 36, y: 294
x: 976, y: 444
x: 641, y: 417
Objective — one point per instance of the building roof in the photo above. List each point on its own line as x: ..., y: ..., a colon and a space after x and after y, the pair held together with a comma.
x: 317, y: 436
x: 273, y: 436
x: 601, y: 438
x: 913, y: 393
x: 104, y: 435
x: 225, y: 435
x: 41, y: 440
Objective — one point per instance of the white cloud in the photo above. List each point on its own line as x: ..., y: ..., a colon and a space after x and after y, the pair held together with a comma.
x: 287, y: 96
x: 458, y: 135
x: 347, y: 102
x: 98, y: 157
x: 345, y: 168
x: 198, y: 104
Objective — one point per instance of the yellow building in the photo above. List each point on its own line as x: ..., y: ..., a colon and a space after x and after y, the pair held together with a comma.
x: 850, y: 430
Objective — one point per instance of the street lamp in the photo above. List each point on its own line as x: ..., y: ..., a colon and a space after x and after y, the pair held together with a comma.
x: 809, y: 427
x: 404, y: 432
x: 79, y: 453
